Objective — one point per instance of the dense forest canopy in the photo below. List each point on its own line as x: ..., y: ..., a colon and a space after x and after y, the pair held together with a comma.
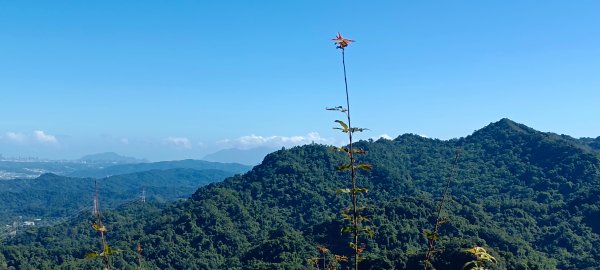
x: 51, y: 198
x: 530, y: 197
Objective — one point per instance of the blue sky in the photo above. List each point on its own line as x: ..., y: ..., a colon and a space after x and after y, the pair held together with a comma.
x: 181, y: 79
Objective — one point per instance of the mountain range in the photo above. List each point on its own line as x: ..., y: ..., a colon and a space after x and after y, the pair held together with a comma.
x: 251, y: 156
x: 103, y: 165
x: 161, y: 165
x: 110, y: 157
x: 530, y: 198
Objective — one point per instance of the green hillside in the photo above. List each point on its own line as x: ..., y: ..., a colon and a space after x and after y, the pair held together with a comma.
x: 531, y: 198
x: 53, y: 198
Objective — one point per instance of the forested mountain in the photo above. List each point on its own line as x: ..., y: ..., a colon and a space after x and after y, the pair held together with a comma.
x: 593, y: 143
x: 531, y: 198
x: 103, y: 165
x: 51, y: 197
x: 161, y: 165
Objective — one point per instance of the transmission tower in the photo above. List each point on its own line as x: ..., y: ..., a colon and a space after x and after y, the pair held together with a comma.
x: 95, y: 211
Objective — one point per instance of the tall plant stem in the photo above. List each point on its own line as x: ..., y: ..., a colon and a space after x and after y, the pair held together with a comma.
x: 439, y: 219
x: 352, y: 169
x: 105, y: 250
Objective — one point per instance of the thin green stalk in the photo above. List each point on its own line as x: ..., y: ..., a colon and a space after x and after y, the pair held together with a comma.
x: 439, y: 220
x: 101, y: 229
x: 352, y: 169
x: 355, y: 218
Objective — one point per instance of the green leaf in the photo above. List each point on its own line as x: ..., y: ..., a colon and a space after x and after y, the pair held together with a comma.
x: 369, y: 231
x: 355, y: 129
x: 355, y: 150
x: 359, y: 151
x: 344, y: 167
x: 469, y: 263
x: 91, y: 255
x: 366, y: 167
x: 334, y: 108
x: 347, y: 217
x: 360, y: 190
x: 338, y: 108
x: 344, y: 126
x: 340, y: 149
x: 430, y: 235
x: 99, y: 227
x: 346, y: 230
x: 362, y: 218
x: 343, y: 190
x: 443, y: 220
x: 487, y: 257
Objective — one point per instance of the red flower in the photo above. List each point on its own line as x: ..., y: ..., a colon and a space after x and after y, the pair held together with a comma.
x: 341, y: 41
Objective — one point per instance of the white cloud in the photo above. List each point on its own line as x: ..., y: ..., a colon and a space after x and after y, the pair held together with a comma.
x: 15, y: 137
x: 382, y: 136
x: 180, y: 142
x: 42, y: 137
x: 251, y: 141
x: 124, y: 141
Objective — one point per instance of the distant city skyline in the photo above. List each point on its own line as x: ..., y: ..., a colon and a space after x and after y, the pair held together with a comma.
x: 174, y: 80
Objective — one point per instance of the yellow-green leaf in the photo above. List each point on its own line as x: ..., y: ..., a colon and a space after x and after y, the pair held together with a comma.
x: 469, y: 263
x: 344, y: 167
x: 344, y: 126
x: 91, y: 255
x: 100, y: 228
x: 340, y: 149
x: 360, y: 190
x: 359, y: 151
x: 343, y: 190
x: 366, y: 167
x: 346, y: 217
x: 346, y: 230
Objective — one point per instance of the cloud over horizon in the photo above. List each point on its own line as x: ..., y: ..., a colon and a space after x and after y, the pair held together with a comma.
x: 36, y: 136
x: 42, y: 137
x: 180, y: 142
x: 382, y: 136
x: 15, y: 137
x: 252, y: 141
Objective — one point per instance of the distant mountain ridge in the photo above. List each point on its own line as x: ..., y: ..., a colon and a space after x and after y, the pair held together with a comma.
x: 161, y: 165
x: 251, y: 156
x: 102, y: 168
x: 110, y: 157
